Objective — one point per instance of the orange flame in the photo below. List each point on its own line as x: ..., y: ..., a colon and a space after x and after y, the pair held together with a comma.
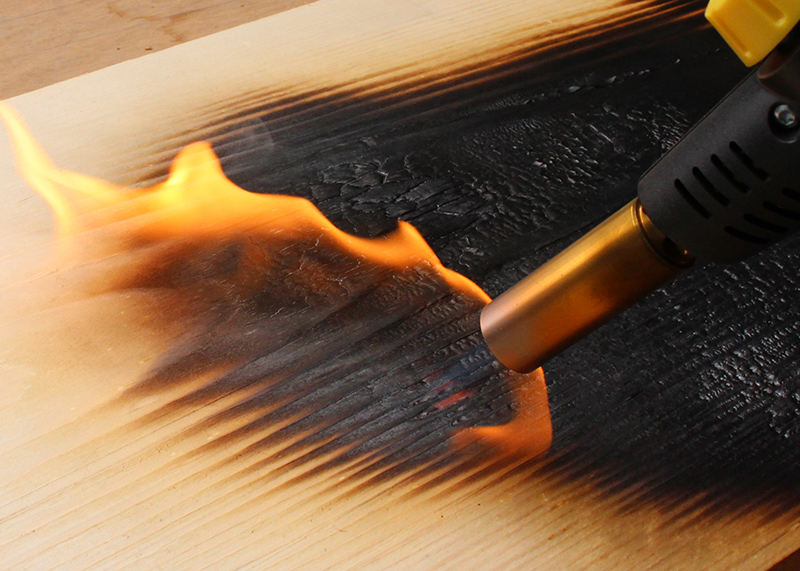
x: 198, y: 202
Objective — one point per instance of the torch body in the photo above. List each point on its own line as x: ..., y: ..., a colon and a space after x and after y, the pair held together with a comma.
x: 728, y: 189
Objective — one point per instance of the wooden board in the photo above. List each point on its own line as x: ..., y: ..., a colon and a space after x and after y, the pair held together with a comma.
x: 46, y: 42
x: 501, y: 133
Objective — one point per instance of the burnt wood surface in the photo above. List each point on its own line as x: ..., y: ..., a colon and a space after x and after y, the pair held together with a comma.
x: 695, y: 392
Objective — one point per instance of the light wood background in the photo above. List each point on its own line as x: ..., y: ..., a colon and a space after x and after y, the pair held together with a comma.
x: 46, y: 41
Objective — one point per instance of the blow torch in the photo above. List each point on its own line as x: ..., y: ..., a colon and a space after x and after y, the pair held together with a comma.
x: 726, y: 190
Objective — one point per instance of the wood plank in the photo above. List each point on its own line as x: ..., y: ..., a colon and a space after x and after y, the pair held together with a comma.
x: 45, y: 42
x: 501, y: 132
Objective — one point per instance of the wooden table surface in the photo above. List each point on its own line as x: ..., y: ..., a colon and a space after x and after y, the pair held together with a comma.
x: 47, y: 41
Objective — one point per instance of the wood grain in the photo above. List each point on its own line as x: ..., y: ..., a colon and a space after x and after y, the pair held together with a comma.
x: 44, y: 42
x: 501, y: 134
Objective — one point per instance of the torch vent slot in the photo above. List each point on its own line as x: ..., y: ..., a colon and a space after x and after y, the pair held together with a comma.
x: 748, y: 162
x: 791, y: 193
x: 691, y: 200
x: 781, y: 211
x: 728, y: 174
x: 765, y: 225
x: 710, y: 188
x: 747, y: 237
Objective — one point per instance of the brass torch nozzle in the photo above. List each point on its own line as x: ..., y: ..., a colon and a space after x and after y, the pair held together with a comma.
x: 608, y: 270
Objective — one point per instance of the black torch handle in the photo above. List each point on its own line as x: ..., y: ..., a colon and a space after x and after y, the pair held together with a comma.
x: 731, y: 186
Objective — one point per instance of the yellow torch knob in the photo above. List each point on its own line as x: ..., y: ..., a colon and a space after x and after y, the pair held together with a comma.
x: 753, y: 28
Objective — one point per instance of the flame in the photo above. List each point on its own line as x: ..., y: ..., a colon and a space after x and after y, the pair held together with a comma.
x: 529, y: 433
x: 198, y: 204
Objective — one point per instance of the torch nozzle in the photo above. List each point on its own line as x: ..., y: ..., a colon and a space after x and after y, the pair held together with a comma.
x: 609, y: 269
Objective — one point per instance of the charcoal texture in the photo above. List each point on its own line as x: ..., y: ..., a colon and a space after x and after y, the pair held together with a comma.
x: 696, y: 389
